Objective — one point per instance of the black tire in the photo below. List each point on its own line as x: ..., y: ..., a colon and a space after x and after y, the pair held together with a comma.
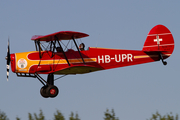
x: 52, y: 91
x: 165, y: 63
x: 43, y: 92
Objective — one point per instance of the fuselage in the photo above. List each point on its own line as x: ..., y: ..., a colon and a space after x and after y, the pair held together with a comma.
x: 94, y: 59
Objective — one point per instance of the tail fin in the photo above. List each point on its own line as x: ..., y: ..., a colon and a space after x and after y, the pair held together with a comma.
x: 159, y: 39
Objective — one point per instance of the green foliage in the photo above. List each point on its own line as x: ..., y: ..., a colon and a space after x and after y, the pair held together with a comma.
x: 110, y: 115
x: 72, y: 116
x: 58, y: 116
x: 30, y: 116
x: 17, y: 118
x: 3, y: 116
x: 37, y: 117
x: 157, y: 116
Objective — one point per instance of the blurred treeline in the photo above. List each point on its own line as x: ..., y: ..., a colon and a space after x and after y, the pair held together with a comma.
x: 108, y: 115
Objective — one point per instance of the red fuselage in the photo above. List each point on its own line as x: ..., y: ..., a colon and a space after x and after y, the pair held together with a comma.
x: 94, y: 59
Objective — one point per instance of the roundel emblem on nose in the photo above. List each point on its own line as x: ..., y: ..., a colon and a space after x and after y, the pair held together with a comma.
x: 22, y: 63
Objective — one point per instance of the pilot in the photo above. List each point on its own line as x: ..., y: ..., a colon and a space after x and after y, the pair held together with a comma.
x: 59, y: 49
x: 82, y: 46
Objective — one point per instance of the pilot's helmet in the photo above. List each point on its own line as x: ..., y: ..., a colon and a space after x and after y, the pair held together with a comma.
x: 82, y: 46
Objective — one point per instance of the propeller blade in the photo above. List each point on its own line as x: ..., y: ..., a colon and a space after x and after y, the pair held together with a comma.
x: 8, y: 60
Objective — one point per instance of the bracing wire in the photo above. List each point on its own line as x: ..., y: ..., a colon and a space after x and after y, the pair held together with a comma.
x: 60, y: 77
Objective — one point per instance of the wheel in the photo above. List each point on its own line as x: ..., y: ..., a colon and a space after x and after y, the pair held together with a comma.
x: 52, y: 91
x: 43, y: 91
x: 165, y: 63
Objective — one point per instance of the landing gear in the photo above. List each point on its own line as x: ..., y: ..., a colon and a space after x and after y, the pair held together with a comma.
x: 49, y: 89
x: 161, y: 58
x: 43, y: 92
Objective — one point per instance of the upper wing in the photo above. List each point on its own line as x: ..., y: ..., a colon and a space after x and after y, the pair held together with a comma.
x: 61, y: 35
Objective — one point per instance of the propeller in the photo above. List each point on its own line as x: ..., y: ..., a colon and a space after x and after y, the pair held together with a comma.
x: 8, y: 60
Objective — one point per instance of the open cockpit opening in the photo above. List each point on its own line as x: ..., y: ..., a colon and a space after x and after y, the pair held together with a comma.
x: 59, y: 46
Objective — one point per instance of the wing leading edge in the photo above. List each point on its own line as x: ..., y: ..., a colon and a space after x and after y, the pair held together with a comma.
x: 61, y: 35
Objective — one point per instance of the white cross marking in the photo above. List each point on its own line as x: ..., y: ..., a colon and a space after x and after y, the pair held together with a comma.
x: 157, y: 39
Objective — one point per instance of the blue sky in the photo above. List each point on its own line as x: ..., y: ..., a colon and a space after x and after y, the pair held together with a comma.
x: 134, y: 92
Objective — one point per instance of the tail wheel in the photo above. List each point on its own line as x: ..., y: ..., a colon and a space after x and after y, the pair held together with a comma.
x: 43, y: 91
x: 52, y: 91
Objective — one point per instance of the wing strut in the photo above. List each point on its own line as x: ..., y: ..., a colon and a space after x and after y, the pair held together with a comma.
x: 39, y: 46
x: 63, y: 51
x: 36, y: 45
x: 78, y: 50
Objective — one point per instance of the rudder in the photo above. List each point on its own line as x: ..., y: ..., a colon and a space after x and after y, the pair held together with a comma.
x: 159, y: 39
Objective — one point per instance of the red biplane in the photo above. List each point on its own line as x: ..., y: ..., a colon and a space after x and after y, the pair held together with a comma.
x: 53, y: 58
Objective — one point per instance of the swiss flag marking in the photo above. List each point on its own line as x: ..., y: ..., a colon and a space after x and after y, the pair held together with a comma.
x: 158, y: 39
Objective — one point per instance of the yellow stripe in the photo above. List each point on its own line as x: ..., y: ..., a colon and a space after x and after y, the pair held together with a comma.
x: 147, y: 56
x: 63, y: 61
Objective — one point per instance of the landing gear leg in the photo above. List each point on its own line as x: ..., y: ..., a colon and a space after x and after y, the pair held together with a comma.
x: 164, y: 62
x: 49, y: 90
